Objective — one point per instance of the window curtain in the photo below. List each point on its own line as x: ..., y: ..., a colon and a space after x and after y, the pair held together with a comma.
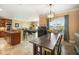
x: 66, y: 28
x: 47, y: 23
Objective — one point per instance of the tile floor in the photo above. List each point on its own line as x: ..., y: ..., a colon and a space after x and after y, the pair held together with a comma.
x: 26, y: 48
x: 68, y: 48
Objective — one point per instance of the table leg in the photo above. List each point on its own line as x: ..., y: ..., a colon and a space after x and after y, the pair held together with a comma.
x: 34, y: 49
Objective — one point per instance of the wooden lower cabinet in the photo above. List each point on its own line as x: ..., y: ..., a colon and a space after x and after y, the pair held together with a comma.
x: 2, y: 34
x: 13, y: 38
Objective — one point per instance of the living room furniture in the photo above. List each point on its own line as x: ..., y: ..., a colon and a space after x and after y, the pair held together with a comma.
x: 42, y: 30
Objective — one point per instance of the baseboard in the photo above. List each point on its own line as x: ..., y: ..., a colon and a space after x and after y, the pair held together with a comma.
x: 71, y: 41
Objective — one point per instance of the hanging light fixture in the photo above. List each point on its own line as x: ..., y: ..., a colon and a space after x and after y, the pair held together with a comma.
x: 51, y: 16
x: 51, y: 13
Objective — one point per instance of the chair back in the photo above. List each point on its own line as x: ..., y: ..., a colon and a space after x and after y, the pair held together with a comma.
x: 58, y: 45
x: 59, y: 39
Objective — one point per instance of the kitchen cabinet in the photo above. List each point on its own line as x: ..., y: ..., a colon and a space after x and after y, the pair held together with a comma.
x: 43, y: 21
x: 3, y: 22
x: 2, y: 34
x: 3, y: 26
x: 13, y: 37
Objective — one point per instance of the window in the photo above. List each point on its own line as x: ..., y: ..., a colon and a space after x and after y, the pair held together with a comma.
x: 57, y: 24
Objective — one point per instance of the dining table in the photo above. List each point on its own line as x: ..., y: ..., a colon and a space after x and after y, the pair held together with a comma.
x: 47, y: 41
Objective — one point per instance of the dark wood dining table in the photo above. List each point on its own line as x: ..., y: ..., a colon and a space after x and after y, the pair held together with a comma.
x: 47, y: 41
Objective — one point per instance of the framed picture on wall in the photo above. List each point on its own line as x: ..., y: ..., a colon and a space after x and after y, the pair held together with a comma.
x: 16, y: 24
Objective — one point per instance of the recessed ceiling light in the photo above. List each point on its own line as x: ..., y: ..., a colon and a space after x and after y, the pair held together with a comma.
x: 1, y: 9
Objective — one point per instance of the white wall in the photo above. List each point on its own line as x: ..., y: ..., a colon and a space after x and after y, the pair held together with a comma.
x: 23, y: 23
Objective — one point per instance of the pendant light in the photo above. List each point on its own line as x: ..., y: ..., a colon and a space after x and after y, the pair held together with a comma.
x: 51, y: 13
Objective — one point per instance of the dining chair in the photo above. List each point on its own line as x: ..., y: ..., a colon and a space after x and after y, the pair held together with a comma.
x: 57, y: 48
x: 46, y: 51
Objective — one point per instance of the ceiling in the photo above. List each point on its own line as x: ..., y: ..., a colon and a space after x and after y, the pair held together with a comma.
x: 32, y: 11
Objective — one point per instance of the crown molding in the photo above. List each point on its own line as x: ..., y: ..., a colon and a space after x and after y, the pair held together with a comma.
x: 68, y: 11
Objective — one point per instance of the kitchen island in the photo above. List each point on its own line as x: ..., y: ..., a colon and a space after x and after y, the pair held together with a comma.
x: 13, y: 37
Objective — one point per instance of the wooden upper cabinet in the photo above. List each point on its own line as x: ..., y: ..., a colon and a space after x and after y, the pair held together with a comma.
x: 3, y: 22
x: 42, y: 21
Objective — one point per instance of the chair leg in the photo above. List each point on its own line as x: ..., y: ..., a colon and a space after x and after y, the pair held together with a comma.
x: 44, y: 52
x: 53, y: 52
x: 59, y: 51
